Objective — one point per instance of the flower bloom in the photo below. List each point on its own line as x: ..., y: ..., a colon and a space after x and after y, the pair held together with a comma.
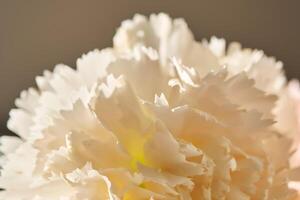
x: 157, y: 116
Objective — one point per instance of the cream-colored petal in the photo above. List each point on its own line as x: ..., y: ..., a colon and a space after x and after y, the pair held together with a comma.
x: 169, y: 38
x: 92, y: 66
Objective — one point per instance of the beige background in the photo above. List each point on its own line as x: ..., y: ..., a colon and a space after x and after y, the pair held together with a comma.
x: 37, y: 34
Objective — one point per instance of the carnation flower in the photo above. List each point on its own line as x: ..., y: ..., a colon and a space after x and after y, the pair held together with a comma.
x: 157, y: 116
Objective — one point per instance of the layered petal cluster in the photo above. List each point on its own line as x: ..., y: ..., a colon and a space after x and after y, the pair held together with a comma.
x: 157, y: 116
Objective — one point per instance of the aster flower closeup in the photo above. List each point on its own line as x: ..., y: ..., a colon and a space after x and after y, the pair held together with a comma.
x: 157, y: 116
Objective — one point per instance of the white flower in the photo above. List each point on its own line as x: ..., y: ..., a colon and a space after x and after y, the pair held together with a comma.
x: 158, y: 116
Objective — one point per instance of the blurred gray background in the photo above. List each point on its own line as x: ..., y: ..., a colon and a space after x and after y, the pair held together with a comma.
x: 37, y: 34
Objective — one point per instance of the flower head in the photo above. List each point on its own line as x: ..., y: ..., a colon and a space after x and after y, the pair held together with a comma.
x: 158, y: 116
